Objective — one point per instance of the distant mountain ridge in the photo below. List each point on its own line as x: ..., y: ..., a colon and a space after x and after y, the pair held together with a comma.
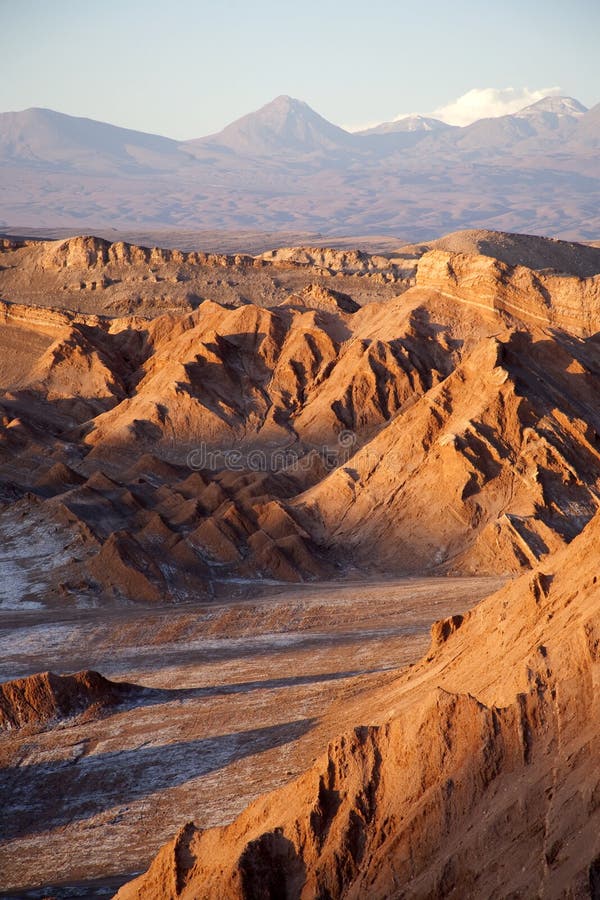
x: 283, y: 125
x: 285, y: 167
x: 43, y: 135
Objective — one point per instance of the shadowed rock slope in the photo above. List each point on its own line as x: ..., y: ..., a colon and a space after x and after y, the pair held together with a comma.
x: 478, y: 778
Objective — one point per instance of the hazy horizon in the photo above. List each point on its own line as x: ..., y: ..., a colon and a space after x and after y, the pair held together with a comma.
x: 206, y: 66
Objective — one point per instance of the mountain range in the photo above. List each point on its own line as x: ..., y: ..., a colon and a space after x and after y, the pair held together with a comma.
x: 286, y: 167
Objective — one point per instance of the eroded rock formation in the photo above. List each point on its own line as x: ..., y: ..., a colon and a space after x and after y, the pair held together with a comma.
x: 290, y: 440
x: 566, y: 302
x: 328, y: 415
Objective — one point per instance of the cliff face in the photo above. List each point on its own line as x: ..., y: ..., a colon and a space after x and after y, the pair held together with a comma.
x: 485, y: 780
x: 89, y: 252
x: 560, y: 301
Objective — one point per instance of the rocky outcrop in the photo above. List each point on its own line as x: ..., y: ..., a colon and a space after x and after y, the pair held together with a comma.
x: 88, y: 253
x: 332, y: 262
x: 94, y: 276
x: 567, y: 302
x: 483, y: 782
x: 529, y: 250
x: 41, y: 699
x: 354, y: 416
x: 45, y: 319
x: 315, y: 296
x: 451, y: 428
x: 505, y: 462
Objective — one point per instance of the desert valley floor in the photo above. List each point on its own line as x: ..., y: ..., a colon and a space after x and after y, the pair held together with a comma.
x: 241, y: 697
x: 299, y: 570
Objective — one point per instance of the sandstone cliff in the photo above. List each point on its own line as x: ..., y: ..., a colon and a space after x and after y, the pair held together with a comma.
x: 560, y: 301
x: 95, y: 276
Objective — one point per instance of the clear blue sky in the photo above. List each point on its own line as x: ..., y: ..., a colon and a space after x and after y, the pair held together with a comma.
x: 186, y: 69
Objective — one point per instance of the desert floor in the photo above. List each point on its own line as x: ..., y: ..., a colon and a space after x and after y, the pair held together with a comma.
x: 241, y: 695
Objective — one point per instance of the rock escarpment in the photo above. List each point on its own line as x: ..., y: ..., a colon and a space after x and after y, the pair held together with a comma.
x: 567, y: 302
x: 96, y: 276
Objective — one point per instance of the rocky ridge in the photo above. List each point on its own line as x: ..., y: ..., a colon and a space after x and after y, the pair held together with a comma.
x: 95, y: 276
x: 445, y: 426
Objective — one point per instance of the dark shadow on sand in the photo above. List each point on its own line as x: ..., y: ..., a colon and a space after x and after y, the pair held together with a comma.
x: 47, y: 795
x: 141, y: 696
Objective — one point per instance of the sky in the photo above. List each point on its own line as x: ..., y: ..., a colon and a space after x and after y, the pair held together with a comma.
x: 185, y: 69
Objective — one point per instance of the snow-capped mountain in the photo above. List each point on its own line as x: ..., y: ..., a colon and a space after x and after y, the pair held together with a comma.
x: 562, y: 107
x: 407, y: 124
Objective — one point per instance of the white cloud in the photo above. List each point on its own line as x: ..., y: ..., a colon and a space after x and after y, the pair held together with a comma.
x: 478, y: 103
x: 484, y: 103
